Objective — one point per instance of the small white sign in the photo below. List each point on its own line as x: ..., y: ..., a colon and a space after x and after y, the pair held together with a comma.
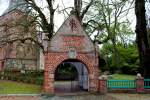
x: 72, y: 54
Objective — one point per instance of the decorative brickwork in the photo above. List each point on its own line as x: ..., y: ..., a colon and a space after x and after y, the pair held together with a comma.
x: 71, y: 37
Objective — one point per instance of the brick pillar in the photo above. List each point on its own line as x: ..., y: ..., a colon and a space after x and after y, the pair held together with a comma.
x: 51, y: 83
x: 140, y: 85
x: 93, y: 83
x: 102, y: 86
x: 48, y: 82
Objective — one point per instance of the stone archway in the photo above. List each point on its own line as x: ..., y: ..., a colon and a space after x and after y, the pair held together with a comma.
x: 52, y: 60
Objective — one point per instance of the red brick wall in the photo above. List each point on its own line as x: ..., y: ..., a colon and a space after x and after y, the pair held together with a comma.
x: 52, y: 60
x: 11, y: 24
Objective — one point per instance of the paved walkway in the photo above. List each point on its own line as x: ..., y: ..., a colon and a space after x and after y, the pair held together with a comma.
x: 20, y: 98
x: 126, y: 96
x: 70, y: 97
x: 109, y: 96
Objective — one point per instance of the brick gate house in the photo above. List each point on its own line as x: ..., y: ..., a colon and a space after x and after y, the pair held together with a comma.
x: 72, y: 44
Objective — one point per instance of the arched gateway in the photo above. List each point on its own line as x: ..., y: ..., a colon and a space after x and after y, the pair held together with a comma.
x: 71, y: 42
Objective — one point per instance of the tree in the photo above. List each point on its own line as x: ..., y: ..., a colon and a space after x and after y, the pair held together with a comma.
x: 47, y: 25
x: 142, y: 39
x: 106, y: 18
x: 129, y: 59
x: 147, y: 7
x: 39, y: 18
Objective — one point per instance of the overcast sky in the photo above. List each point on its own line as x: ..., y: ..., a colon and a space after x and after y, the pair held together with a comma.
x: 3, y: 5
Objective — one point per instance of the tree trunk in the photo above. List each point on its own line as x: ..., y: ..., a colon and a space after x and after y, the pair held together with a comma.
x: 141, y: 37
x: 116, y: 55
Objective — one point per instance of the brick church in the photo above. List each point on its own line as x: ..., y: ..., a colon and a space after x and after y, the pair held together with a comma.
x: 70, y: 44
x: 14, y: 53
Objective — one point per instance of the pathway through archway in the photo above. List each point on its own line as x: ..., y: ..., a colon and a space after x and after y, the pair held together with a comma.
x: 71, y: 76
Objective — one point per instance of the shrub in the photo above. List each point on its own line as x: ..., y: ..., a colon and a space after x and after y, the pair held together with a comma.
x: 29, y: 76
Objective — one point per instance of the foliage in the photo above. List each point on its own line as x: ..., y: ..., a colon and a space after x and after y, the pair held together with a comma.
x: 129, y: 60
x: 105, y: 17
x: 27, y: 76
x: 109, y: 23
x: 66, y: 71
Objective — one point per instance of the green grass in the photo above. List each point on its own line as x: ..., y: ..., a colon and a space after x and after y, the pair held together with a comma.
x: 9, y: 87
x: 123, y: 77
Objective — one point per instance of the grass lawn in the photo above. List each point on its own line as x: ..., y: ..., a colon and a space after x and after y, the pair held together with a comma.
x: 9, y: 87
x: 123, y: 77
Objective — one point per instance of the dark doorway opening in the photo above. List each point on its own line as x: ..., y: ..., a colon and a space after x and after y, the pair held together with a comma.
x: 71, y: 76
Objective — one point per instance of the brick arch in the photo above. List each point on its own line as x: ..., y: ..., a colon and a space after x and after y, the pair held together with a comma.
x: 52, y: 60
x: 80, y: 60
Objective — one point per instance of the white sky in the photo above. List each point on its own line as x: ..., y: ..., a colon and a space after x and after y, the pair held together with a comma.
x: 59, y: 18
x: 3, y: 6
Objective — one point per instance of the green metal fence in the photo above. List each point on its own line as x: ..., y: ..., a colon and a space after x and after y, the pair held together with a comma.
x: 121, y: 84
x: 147, y: 83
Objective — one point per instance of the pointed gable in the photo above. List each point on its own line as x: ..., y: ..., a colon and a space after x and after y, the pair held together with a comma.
x: 71, y: 36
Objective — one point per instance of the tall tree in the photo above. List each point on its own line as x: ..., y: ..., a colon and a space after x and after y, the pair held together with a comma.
x: 47, y: 25
x: 142, y: 39
x: 78, y: 8
x: 107, y: 16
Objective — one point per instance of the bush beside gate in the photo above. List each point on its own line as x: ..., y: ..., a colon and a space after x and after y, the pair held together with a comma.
x: 26, y: 76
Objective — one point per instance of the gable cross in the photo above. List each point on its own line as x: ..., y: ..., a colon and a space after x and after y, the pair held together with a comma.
x: 73, y: 24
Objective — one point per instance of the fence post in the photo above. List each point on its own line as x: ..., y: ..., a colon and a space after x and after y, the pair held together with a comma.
x: 102, y: 86
x: 140, y: 85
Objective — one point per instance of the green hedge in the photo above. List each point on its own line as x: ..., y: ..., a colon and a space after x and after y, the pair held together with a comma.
x: 27, y: 76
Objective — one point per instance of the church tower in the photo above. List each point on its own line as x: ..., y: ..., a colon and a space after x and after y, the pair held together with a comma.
x: 18, y: 54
